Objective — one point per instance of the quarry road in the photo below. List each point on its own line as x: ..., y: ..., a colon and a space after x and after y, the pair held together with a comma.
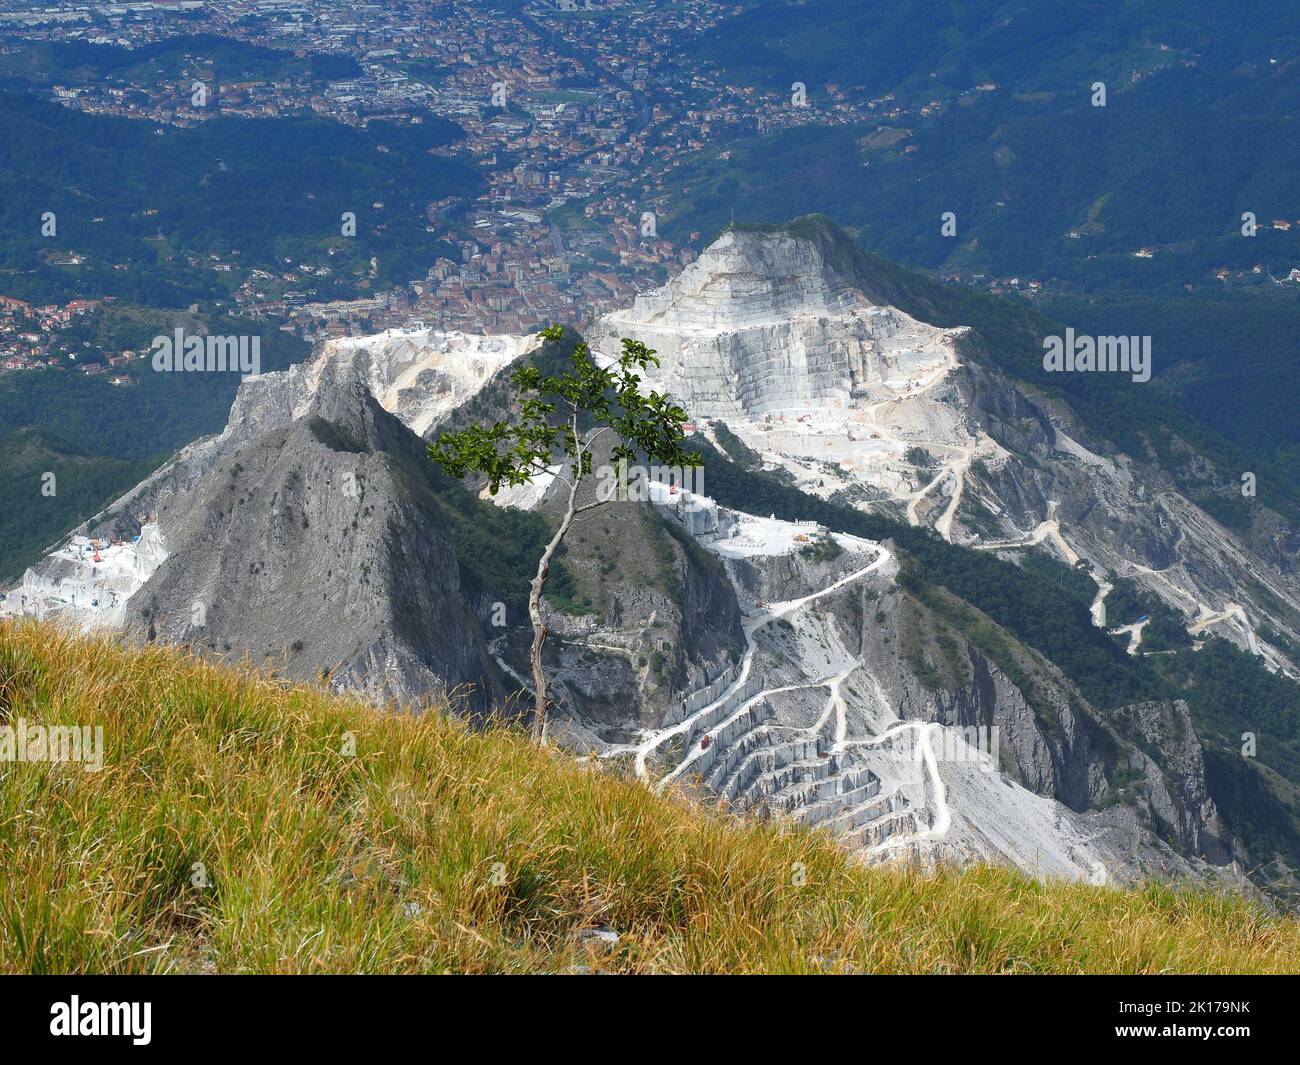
x: 1206, y: 617
x: 1134, y: 634
x: 1232, y: 610
x: 944, y: 525
x: 956, y: 469
x: 1046, y: 530
x: 1180, y: 593
x: 655, y: 738
x: 696, y: 751
x: 919, y: 495
x: 835, y: 710
x: 942, y: 819
x: 941, y: 814
x: 780, y: 610
x: 1051, y: 530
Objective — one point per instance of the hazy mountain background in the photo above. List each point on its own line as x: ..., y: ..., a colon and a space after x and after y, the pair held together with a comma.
x: 1196, y: 131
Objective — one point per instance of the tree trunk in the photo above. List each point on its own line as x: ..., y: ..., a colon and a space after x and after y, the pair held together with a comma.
x: 541, y: 703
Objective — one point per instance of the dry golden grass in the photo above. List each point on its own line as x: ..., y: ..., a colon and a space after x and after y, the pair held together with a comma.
x: 439, y: 848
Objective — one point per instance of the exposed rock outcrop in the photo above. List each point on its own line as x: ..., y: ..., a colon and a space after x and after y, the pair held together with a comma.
x: 318, y: 545
x: 787, y: 335
x: 788, y: 671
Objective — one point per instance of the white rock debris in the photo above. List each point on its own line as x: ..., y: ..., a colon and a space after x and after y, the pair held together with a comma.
x: 808, y: 372
x: 855, y: 400
x: 87, y: 581
x: 421, y: 374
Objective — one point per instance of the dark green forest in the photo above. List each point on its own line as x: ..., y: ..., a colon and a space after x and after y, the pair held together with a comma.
x: 72, y: 62
x: 1200, y: 125
x: 38, y: 512
x: 147, y: 206
x: 906, y: 46
x: 100, y: 439
x: 1201, y: 134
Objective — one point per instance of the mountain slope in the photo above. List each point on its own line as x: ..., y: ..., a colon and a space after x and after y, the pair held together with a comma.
x: 114, y: 189
x: 788, y: 344
x: 323, y: 542
x: 86, y: 419
x: 985, y: 110
x: 436, y: 848
x: 852, y: 377
x: 911, y: 649
x: 34, y: 518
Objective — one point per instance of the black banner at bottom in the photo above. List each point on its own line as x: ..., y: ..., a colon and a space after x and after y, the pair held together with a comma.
x: 337, y: 1014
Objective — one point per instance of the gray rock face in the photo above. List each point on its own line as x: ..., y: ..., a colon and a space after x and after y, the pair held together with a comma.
x: 317, y: 544
x: 763, y: 324
x: 1130, y: 784
x: 1122, y: 517
x: 1167, y: 759
x: 661, y: 617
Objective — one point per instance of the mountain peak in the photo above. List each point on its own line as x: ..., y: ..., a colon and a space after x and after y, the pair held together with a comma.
x: 778, y: 321
x: 837, y: 250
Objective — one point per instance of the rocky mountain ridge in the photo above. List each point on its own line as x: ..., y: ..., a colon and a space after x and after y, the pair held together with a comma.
x: 864, y: 404
x: 787, y: 668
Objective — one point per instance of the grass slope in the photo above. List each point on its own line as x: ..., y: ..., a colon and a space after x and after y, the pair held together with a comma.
x: 438, y: 848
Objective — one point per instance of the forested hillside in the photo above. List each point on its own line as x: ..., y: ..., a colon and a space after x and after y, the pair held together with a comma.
x: 99, y: 439
x: 151, y: 210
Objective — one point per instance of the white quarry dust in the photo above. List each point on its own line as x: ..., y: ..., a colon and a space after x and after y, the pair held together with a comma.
x: 811, y: 375
x: 524, y: 496
x: 1134, y: 634
x: 1098, y: 609
x: 416, y: 374
x: 656, y: 738
x: 962, y: 808
x: 836, y: 390
x: 421, y: 374
x: 70, y: 584
x: 761, y: 333
x: 762, y: 536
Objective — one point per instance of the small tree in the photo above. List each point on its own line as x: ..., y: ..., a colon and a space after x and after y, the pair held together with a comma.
x: 562, y: 417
